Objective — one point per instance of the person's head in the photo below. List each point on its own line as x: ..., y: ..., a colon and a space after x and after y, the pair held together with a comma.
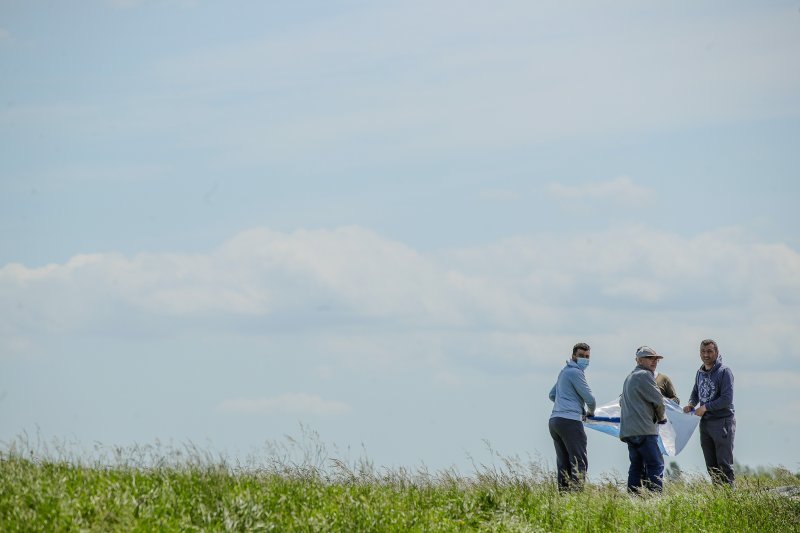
x: 709, y: 351
x: 647, y: 357
x: 580, y: 351
x: 580, y: 354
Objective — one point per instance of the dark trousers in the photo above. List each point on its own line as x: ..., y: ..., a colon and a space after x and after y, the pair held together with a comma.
x: 569, y: 439
x: 716, y: 439
x: 647, y: 463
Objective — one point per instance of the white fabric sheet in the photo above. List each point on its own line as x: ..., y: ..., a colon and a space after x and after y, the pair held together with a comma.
x: 673, y: 435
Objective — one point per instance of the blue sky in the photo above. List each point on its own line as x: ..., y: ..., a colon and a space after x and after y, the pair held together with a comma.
x: 390, y: 221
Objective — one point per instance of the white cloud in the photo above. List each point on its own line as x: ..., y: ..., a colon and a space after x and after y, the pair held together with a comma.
x: 293, y: 404
x: 362, y: 298
x: 621, y: 190
x: 465, y: 77
x: 440, y: 79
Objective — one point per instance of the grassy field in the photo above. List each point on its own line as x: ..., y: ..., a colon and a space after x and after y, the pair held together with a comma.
x: 145, y: 489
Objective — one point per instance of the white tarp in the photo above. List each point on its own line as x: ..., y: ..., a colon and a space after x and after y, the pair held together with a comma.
x: 672, y: 437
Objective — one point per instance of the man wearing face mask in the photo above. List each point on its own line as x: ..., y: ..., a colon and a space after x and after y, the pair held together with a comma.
x: 572, y: 402
x: 713, y: 391
x: 641, y: 411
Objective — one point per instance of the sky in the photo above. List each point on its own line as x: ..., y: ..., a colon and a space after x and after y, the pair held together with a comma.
x: 389, y: 222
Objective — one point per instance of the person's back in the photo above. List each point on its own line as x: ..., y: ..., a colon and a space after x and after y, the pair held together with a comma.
x: 641, y: 411
x: 641, y: 404
x: 570, y: 393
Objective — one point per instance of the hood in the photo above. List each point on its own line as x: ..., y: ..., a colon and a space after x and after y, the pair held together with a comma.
x: 717, y: 364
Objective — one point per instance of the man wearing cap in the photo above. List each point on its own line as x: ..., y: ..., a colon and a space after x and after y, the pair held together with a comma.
x: 569, y: 395
x: 713, y: 391
x: 642, y: 410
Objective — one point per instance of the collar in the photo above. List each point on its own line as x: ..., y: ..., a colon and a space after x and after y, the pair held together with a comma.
x: 715, y: 366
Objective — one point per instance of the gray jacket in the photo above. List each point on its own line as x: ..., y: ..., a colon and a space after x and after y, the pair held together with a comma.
x: 641, y: 403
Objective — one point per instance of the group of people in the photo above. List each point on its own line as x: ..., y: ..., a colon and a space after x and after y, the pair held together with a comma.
x: 642, y: 411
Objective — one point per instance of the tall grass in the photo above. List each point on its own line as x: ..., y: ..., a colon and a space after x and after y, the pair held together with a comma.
x: 296, y: 485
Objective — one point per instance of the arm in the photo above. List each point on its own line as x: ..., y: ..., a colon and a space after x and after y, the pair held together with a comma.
x: 725, y: 398
x: 646, y: 385
x: 660, y: 410
x: 583, y: 390
x: 552, y: 394
x: 669, y: 390
x: 653, y: 395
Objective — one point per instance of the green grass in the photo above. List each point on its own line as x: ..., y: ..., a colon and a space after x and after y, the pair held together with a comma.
x: 153, y: 489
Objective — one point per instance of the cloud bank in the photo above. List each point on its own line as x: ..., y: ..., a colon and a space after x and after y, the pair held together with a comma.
x: 360, y: 293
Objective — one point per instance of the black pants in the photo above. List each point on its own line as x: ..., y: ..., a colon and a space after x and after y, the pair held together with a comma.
x: 569, y: 439
x: 716, y: 439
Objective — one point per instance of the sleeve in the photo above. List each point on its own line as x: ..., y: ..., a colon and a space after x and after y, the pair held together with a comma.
x: 660, y: 410
x: 651, y: 394
x: 583, y: 390
x: 725, y: 398
x: 668, y: 389
x: 552, y: 394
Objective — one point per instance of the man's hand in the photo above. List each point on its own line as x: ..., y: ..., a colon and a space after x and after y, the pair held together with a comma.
x: 688, y: 408
x: 700, y: 411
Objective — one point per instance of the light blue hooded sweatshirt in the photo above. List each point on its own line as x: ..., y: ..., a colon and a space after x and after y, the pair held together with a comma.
x: 570, y: 393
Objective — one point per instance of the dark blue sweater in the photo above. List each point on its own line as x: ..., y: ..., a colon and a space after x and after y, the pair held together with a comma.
x: 714, y: 389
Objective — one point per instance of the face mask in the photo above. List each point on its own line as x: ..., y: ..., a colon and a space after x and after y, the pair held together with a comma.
x: 582, y: 362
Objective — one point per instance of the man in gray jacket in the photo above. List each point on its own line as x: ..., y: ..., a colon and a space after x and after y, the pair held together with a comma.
x: 642, y: 410
x: 569, y: 396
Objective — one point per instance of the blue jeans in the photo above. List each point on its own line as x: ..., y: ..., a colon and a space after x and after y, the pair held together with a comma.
x: 647, y: 463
